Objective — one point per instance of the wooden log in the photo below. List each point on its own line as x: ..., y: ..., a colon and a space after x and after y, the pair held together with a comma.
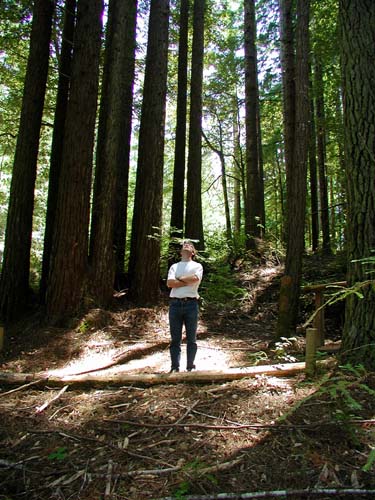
x: 147, y: 379
x: 310, y: 356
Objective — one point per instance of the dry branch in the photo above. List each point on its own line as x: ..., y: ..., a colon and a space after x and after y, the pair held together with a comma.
x: 39, y: 409
x: 297, y: 494
x: 146, y: 379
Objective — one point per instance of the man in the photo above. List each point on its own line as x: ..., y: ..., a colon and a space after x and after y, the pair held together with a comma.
x: 184, y: 279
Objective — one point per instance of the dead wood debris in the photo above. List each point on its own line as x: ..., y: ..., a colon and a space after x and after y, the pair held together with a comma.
x: 307, y: 493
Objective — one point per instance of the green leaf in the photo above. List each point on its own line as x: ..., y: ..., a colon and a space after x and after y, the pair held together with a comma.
x: 370, y: 461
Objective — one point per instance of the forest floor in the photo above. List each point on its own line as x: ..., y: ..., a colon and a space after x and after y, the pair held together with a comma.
x: 248, y: 438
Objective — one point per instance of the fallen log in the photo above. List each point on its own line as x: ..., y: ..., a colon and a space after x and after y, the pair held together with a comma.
x: 147, y: 379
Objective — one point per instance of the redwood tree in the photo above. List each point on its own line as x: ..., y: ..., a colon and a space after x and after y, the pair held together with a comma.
x: 193, y: 217
x: 112, y: 158
x: 65, y: 61
x: 254, y: 203
x: 14, y: 283
x: 69, y: 258
x: 296, y: 180
x: 177, y: 211
x: 144, y: 260
x: 313, y: 181
x: 358, y: 52
x: 322, y: 158
x: 123, y: 159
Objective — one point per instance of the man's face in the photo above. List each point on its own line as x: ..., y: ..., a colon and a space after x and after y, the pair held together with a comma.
x: 187, y: 249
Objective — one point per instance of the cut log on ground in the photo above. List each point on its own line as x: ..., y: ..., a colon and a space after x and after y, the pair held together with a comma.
x: 119, y: 379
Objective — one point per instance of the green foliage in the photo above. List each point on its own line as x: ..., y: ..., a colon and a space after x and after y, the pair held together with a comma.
x: 341, y: 294
x: 346, y: 407
x: 368, y: 261
x: 280, y: 350
x: 59, y: 454
x: 220, y: 287
x: 84, y: 326
x: 370, y: 461
x: 192, y: 468
x: 258, y: 357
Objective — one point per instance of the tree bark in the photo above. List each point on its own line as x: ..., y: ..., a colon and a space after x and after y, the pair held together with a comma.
x: 103, y: 379
x: 321, y: 140
x: 177, y: 211
x: 296, y: 184
x: 123, y: 159
x: 357, y: 52
x: 58, y: 137
x: 194, y: 217
x: 14, y: 283
x: 112, y: 156
x: 144, y: 271
x: 254, y: 196
x: 237, y: 170
x: 313, y: 181
x: 287, y: 56
x: 69, y: 259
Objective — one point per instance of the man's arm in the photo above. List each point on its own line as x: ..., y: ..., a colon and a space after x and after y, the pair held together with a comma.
x: 175, y: 283
x: 182, y: 281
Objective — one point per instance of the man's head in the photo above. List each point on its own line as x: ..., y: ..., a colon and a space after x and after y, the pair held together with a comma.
x: 188, y: 247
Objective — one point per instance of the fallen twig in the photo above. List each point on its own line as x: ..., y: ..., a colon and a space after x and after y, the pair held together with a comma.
x: 278, y: 493
x: 16, y: 465
x: 187, y: 412
x: 39, y: 409
x: 219, y: 467
x: 109, y: 479
x: 24, y: 386
x: 239, y: 426
x: 198, y: 426
x: 97, y: 441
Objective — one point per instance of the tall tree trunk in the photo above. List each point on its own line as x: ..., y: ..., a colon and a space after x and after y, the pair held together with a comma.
x: 341, y: 191
x: 68, y: 266
x: 177, y: 212
x: 254, y: 198
x: 313, y: 181
x: 262, y: 207
x: 357, y: 52
x: 237, y: 169
x: 281, y: 189
x: 321, y: 139
x: 144, y: 271
x: 112, y: 157
x: 58, y: 136
x: 288, y: 80
x: 224, y: 182
x: 296, y: 193
x: 194, y: 217
x: 123, y: 163
x: 14, y: 283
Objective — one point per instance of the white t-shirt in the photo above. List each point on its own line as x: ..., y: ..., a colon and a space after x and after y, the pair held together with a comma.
x: 186, y: 268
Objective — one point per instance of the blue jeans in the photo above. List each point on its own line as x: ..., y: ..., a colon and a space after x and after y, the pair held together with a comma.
x: 183, y: 312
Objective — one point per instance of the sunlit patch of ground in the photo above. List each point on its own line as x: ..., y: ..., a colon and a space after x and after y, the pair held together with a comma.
x: 208, y: 358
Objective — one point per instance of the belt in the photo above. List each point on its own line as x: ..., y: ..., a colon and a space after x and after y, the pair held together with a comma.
x: 183, y: 298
